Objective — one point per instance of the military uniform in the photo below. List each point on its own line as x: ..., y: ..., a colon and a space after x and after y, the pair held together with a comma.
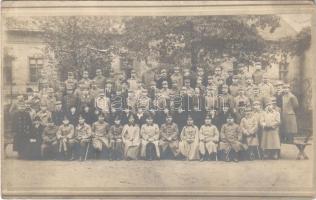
x: 169, y: 138
x: 83, y: 136
x: 231, y: 138
x: 131, y: 140
x: 208, y: 136
x: 49, y: 144
x: 189, y: 145
x: 149, y: 134
x: 44, y: 116
x: 100, y: 135
x: 116, y: 141
x: 66, y: 138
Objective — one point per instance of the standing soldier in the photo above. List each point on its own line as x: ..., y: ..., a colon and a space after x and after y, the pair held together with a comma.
x: 249, y: 126
x: 116, y: 142
x: 70, y: 100
x: 241, y: 99
x: 257, y: 75
x: 169, y: 138
x: 42, y: 80
x: 189, y: 145
x: 99, y: 79
x: 233, y: 88
x: 266, y: 88
x: 21, y: 127
x: 85, y: 81
x: 85, y: 99
x: 66, y: 141
x: 177, y: 77
x: 132, y: 82
x: 211, y: 99
x: 225, y: 98
x: 163, y: 77
x: 101, y: 136
x: 71, y: 82
x: 256, y: 96
x: 230, y: 138
x: 289, y: 106
x: 279, y: 93
x: 131, y: 140
x: 209, y: 137
x: 44, y: 115
x: 150, y: 135
x: 33, y: 147
x: 270, y: 141
x: 49, y: 141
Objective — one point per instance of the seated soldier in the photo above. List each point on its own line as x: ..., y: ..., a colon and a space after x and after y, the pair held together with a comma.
x: 49, y: 140
x: 116, y: 140
x: 100, y: 140
x: 208, y: 137
x: 83, y: 136
x: 189, y: 145
x: 65, y: 136
x: 169, y: 138
x: 230, y: 140
x: 130, y: 136
x: 150, y: 140
x: 249, y: 128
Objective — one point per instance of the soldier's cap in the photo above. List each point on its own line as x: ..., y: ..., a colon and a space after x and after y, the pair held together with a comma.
x: 218, y: 67
x: 131, y: 117
x: 207, y: 117
x: 226, y: 105
x: 58, y: 103
x: 50, y: 89
x: 187, y: 80
x: 248, y: 109
x: 49, y: 120
x: 163, y: 70
x: 235, y: 77
x: 101, y: 92
x: 265, y: 76
x: 28, y: 105
x: 37, y: 118
x: 269, y: 103
x: 230, y: 116
x: 183, y: 88
x: 152, y: 83
x: 70, y: 74
x: 273, y: 99
x: 209, y: 77
x: 29, y: 90
x: 255, y: 87
x: 81, y: 117
x: 101, y: 115
x: 164, y: 82
x: 286, y: 85
x: 117, y: 118
x: 149, y: 116
x: 241, y: 88
x: 279, y: 82
x: 98, y: 70
x: 230, y: 70
x: 241, y: 104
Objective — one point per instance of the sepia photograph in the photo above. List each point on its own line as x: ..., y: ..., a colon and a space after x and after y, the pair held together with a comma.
x: 158, y: 103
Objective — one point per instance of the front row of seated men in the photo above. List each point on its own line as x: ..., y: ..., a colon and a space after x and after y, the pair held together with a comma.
x: 257, y: 136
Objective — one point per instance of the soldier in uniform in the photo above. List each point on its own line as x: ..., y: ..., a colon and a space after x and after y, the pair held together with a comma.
x: 70, y: 100
x: 85, y: 99
x: 177, y: 77
x: 49, y: 141
x: 257, y: 75
x: 131, y: 139
x: 241, y: 99
x: 288, y: 115
x: 88, y: 115
x: 49, y: 100
x: 189, y: 144
x: 266, y: 88
x: 209, y: 137
x: 249, y: 126
x: 44, y: 115
x: 234, y: 87
x: 279, y: 93
x: 83, y: 136
x: 169, y: 138
x: 256, y: 96
x: 116, y: 141
x: 132, y: 81
x: 73, y: 116
x: 21, y: 127
x: 211, y: 99
x: 85, y: 81
x: 42, y: 80
x: 71, y: 82
x: 163, y: 77
x: 230, y: 140
x: 225, y: 98
x: 66, y: 141
x: 270, y: 141
x: 101, y: 136
x: 99, y: 79
x: 149, y: 133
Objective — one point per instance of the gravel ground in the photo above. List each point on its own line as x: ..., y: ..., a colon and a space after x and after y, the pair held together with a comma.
x: 21, y: 175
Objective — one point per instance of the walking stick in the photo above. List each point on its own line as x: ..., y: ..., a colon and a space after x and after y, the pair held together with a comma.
x: 259, y: 154
x: 88, y: 146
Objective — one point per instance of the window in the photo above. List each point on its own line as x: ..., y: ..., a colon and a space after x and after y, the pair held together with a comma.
x: 35, y: 64
x: 7, y: 70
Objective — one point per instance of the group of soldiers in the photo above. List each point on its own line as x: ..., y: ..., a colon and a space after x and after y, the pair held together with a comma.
x: 196, y: 114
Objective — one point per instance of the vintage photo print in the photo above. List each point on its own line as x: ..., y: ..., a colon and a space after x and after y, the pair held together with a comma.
x: 171, y: 102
